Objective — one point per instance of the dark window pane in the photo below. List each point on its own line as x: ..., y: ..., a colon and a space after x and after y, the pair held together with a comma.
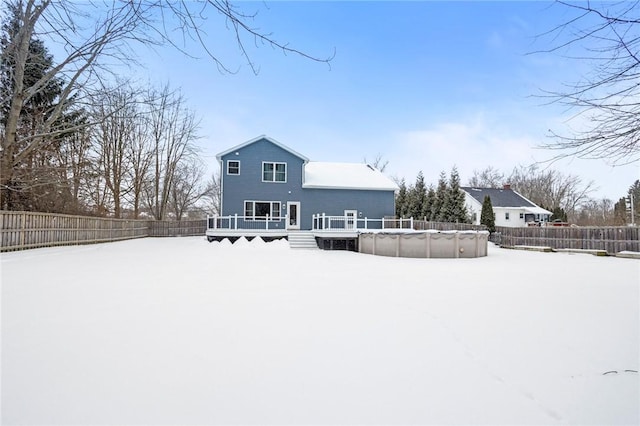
x: 267, y: 172
x: 233, y: 167
x: 262, y: 210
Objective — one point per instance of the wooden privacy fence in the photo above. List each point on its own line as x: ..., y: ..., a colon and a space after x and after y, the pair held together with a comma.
x: 177, y: 228
x: 25, y: 230
x: 421, y: 225
x: 613, y: 239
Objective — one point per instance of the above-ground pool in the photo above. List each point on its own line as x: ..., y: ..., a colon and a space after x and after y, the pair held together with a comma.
x: 430, y: 243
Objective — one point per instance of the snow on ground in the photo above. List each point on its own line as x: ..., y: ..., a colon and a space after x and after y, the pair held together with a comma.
x: 181, y: 331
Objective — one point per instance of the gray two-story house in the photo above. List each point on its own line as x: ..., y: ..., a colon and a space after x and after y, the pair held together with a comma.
x: 265, y: 184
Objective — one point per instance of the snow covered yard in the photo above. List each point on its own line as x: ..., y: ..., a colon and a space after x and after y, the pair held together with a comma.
x: 181, y: 331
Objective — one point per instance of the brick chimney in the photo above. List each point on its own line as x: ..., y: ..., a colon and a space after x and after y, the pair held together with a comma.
x: 506, y: 186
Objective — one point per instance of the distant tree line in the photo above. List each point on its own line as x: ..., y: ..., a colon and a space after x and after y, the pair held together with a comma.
x: 565, y: 195
x: 444, y: 203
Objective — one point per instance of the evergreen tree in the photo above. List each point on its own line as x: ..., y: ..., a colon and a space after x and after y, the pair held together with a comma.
x: 427, y: 209
x: 454, y: 207
x: 620, y: 212
x: 402, y: 200
x: 487, y: 216
x: 558, y: 213
x: 418, y: 197
x: 438, y: 212
x: 33, y: 176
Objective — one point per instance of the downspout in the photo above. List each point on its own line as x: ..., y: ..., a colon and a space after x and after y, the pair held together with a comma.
x: 221, y: 163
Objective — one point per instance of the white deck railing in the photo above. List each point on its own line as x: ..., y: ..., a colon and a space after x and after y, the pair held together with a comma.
x: 236, y: 222
x: 321, y: 222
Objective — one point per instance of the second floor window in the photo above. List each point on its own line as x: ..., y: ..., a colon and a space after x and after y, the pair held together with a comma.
x: 233, y: 167
x: 274, y: 172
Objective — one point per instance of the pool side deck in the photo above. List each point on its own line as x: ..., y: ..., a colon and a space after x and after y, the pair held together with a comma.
x: 280, y: 233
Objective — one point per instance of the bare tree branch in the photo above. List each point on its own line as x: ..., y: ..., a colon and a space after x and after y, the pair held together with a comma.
x: 605, y: 102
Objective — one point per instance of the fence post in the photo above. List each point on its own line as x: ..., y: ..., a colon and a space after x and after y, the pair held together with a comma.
x: 266, y: 222
x: 383, y: 222
x: 235, y: 222
x: 366, y: 226
x: 22, y: 229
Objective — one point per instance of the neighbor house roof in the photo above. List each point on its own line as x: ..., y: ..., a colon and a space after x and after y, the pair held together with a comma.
x: 345, y: 176
x: 254, y: 140
x: 501, y: 197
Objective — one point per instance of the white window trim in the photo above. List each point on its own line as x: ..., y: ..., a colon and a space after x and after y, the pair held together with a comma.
x: 235, y: 161
x: 271, y: 210
x: 274, y: 172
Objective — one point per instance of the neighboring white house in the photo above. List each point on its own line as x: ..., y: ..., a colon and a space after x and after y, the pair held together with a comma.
x: 511, y: 209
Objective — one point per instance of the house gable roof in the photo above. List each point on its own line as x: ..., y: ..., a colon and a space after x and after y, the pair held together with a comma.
x: 345, y: 176
x: 259, y: 138
x: 500, y: 197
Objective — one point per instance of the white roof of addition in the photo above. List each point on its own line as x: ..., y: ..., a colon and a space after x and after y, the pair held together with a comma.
x: 345, y: 176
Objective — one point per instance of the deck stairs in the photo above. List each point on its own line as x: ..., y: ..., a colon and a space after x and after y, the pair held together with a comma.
x: 302, y: 239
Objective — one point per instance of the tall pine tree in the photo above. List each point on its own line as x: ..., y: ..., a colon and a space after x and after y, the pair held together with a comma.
x: 402, y: 200
x: 487, y: 216
x: 455, y: 209
x: 438, y: 212
x: 31, y: 177
x: 418, y: 197
x: 427, y: 209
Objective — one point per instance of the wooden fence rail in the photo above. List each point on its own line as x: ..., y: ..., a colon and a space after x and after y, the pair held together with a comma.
x: 177, y: 228
x: 613, y: 239
x: 421, y: 225
x: 26, y: 230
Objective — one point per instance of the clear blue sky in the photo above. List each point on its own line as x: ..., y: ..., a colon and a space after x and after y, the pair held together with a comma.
x: 427, y: 85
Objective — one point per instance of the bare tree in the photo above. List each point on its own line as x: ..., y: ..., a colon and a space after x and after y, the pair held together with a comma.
x: 173, y: 131
x: 75, y: 159
x: 116, y: 113
x: 594, y: 212
x: 139, y: 156
x: 550, y: 188
x: 606, y: 101
x: 96, y: 35
x: 487, y: 178
x: 187, y: 187
x: 212, y: 195
x: 379, y: 163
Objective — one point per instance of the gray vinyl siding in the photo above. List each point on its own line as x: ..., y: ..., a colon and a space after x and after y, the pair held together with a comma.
x: 333, y: 202
x: 248, y: 185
